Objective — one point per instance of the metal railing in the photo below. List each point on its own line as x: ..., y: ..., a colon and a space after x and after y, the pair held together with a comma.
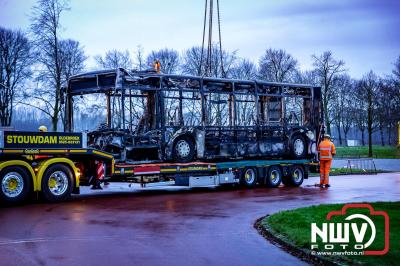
x: 361, y: 166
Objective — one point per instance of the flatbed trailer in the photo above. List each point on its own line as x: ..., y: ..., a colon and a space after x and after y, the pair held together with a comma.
x: 31, y: 166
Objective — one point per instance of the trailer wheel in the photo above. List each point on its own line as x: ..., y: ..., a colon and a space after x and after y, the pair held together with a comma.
x: 296, y: 177
x: 57, y: 183
x: 298, y: 147
x: 16, y: 184
x: 183, y: 151
x: 249, y: 177
x: 274, y: 176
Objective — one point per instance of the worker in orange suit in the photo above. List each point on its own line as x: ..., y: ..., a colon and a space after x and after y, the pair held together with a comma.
x: 157, y: 66
x: 326, y: 151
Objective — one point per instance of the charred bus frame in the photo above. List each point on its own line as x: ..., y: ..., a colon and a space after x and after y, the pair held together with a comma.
x: 185, y: 118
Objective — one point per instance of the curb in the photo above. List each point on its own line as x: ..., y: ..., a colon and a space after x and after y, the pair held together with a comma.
x: 278, y: 240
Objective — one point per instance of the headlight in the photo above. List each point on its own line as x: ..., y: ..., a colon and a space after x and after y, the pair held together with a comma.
x: 310, y: 135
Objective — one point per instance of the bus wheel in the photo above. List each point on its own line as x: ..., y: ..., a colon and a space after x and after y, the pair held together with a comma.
x: 16, y: 184
x: 296, y: 177
x: 249, y: 177
x: 57, y: 183
x: 274, y: 176
x: 298, y: 147
x: 183, y: 150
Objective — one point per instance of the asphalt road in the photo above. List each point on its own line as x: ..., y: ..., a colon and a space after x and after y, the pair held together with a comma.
x: 152, y: 227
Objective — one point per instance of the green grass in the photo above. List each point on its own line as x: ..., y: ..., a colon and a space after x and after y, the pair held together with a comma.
x: 347, y: 171
x: 362, y: 151
x: 295, y: 227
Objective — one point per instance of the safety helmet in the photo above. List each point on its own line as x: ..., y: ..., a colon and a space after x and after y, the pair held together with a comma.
x: 327, y: 136
x: 43, y: 128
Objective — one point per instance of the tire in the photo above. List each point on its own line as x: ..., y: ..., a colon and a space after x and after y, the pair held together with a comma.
x: 57, y: 183
x: 298, y: 147
x: 183, y: 151
x: 249, y: 177
x: 274, y: 176
x: 15, y: 184
x: 296, y: 177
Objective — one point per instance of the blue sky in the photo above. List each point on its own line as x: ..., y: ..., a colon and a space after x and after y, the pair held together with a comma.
x: 364, y: 33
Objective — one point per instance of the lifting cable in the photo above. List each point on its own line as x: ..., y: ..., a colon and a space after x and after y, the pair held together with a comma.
x: 204, y: 34
x: 220, y: 42
x: 209, y: 61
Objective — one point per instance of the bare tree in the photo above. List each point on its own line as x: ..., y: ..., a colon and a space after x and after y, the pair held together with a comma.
x: 140, y: 61
x: 192, y: 64
x: 327, y: 68
x: 72, y: 59
x: 169, y: 60
x: 244, y: 69
x: 277, y: 65
x: 46, y: 27
x: 369, y: 86
x: 306, y: 77
x: 360, y: 111
x: 388, y: 109
x: 342, y: 86
x: 395, y: 99
x: 15, y: 61
x: 349, y: 110
x: 114, y: 59
x: 396, y: 73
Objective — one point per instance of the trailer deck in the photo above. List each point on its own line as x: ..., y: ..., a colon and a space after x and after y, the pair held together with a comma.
x: 57, y: 169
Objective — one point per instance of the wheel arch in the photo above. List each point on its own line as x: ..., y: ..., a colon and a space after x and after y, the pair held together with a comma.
x: 23, y: 164
x: 46, y: 164
x: 182, y: 133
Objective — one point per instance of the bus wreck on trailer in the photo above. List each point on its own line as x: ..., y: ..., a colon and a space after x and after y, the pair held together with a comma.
x: 158, y: 117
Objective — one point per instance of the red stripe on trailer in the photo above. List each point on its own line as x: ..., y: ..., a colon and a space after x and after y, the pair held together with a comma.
x: 151, y: 169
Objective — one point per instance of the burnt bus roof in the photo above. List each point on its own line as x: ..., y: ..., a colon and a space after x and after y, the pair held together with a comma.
x: 118, y: 79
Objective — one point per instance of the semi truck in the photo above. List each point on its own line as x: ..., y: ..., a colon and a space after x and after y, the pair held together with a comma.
x: 190, y: 131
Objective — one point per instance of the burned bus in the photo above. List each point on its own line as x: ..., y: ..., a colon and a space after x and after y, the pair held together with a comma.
x: 147, y: 116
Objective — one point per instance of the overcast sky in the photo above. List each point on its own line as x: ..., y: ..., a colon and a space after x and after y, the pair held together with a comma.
x: 364, y: 33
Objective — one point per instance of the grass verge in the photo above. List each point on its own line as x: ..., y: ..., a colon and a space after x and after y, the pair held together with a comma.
x: 347, y: 171
x: 388, y: 152
x: 294, y: 228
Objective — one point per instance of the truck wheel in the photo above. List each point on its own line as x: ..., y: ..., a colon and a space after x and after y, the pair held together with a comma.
x: 16, y: 184
x: 249, y: 177
x: 296, y: 177
x: 57, y: 183
x: 274, y: 176
x: 183, y: 150
x: 298, y: 147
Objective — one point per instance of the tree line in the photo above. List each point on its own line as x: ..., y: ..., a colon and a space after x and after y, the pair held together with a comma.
x: 36, y: 64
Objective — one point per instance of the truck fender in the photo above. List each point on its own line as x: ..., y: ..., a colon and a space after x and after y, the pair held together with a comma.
x: 45, y: 164
x: 24, y: 164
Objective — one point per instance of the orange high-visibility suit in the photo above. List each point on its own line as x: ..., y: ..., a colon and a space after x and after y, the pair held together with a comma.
x: 157, y: 66
x: 326, y: 150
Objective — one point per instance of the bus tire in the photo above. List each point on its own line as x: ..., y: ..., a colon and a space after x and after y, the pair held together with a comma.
x: 296, y: 176
x: 16, y: 184
x: 184, y: 150
x: 57, y: 183
x: 274, y: 176
x: 249, y: 177
x: 298, y: 146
